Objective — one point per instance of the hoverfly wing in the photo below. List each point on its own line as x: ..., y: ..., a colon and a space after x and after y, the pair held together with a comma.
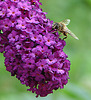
x: 66, y: 21
x: 72, y: 34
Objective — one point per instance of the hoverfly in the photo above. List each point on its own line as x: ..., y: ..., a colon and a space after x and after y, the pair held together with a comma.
x: 62, y: 28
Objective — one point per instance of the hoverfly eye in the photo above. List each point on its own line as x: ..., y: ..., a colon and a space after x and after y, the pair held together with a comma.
x: 56, y: 27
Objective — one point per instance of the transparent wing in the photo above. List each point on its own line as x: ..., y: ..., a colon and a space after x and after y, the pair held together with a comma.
x: 72, y: 34
x: 66, y: 21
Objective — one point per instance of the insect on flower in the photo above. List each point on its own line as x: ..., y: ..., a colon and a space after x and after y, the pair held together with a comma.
x: 62, y: 28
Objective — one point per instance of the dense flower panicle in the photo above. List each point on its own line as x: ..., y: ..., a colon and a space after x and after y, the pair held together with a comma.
x: 32, y: 52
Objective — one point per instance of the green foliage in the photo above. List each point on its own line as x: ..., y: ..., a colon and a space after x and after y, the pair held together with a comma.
x: 78, y: 51
x: 1, y: 31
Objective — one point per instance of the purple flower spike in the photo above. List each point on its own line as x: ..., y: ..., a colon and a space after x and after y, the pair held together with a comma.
x: 32, y: 52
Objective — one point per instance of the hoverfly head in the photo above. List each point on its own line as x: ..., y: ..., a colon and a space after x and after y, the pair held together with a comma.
x: 55, y: 26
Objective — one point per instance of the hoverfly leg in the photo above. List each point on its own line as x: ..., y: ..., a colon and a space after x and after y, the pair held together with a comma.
x: 54, y: 32
x: 64, y: 37
x: 65, y: 34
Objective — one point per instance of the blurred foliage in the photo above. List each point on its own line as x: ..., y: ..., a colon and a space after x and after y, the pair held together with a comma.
x: 78, y: 51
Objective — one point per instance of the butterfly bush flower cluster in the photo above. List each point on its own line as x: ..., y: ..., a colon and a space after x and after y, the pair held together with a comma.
x: 32, y: 52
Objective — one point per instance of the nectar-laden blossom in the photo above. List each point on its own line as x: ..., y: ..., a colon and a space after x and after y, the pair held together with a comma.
x: 32, y: 52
